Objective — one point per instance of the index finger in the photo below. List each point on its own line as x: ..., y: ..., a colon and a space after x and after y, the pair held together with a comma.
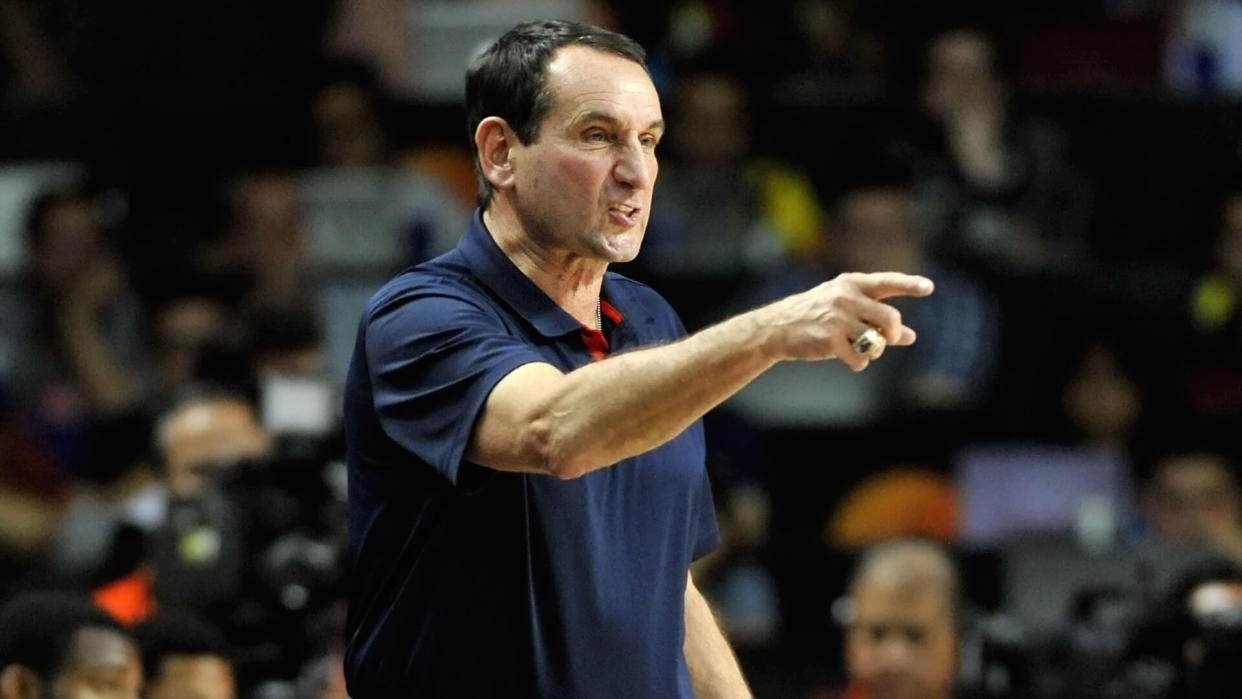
x: 882, y: 285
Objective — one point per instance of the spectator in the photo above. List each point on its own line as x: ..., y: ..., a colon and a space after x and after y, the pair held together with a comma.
x: 69, y: 332
x: 182, y: 325
x: 250, y: 539
x: 901, y: 628
x: 264, y: 250
x: 1008, y: 196
x: 358, y: 163
x: 184, y: 656
x: 1191, y: 498
x: 60, y: 646
x: 839, y: 54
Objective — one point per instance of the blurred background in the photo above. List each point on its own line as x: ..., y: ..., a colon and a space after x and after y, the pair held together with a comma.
x: 196, y: 200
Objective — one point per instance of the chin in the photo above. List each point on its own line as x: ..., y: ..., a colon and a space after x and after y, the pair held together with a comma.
x: 622, y: 247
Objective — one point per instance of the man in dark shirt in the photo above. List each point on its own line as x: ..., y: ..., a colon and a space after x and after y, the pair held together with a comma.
x: 526, y: 459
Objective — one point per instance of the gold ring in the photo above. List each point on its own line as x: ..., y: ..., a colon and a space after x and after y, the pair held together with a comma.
x: 871, y: 344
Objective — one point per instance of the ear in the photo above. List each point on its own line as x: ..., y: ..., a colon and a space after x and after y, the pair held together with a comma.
x: 18, y: 682
x: 495, y: 142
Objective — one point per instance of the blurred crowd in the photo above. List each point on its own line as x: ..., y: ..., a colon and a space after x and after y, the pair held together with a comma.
x: 1040, y: 498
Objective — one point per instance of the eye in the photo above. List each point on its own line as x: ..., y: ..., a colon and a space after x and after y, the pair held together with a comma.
x: 595, y: 136
x: 915, y: 635
x: 649, y: 141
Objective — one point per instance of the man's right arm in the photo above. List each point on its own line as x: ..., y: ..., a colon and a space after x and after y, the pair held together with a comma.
x: 538, y: 419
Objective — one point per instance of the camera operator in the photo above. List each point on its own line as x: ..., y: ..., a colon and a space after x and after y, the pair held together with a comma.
x: 248, y: 539
x: 1190, y: 644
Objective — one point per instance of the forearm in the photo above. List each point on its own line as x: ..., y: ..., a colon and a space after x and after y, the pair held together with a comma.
x: 631, y: 403
x: 540, y: 420
x: 714, y: 670
x: 108, y: 386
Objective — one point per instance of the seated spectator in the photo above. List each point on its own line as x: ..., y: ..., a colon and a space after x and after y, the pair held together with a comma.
x: 182, y: 324
x: 264, y: 252
x: 1191, y: 498
x: 1007, y: 194
x: 413, y: 197
x: 184, y: 656
x: 901, y: 637
x: 837, y: 55
x: 70, y: 348
x: 61, y: 646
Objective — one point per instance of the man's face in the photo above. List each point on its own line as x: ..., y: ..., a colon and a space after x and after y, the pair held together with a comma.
x: 901, y: 643
x: 1194, y: 499
x: 207, y: 435
x: 193, y: 677
x: 102, y: 664
x: 584, y: 185
x: 877, y: 232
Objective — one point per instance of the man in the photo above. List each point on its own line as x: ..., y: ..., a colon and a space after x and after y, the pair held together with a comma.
x: 901, y: 639
x: 526, y: 478
x: 60, y: 646
x: 185, y: 657
x: 1192, y: 499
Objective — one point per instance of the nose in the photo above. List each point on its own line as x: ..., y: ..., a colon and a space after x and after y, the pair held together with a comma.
x: 895, y: 653
x: 635, y: 166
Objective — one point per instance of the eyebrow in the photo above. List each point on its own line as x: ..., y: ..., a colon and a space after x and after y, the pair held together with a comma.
x: 657, y: 125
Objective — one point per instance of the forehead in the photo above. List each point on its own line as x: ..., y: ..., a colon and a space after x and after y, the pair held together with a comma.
x: 1195, y: 469
x: 582, y: 79
x: 880, y: 603
x: 200, y: 670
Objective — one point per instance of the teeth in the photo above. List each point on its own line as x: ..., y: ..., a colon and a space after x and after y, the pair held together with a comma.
x: 624, y: 209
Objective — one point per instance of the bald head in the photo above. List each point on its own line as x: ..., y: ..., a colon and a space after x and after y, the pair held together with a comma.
x: 901, y: 640
x: 909, y: 566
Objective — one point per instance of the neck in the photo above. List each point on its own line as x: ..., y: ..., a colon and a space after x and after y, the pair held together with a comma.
x: 569, y: 279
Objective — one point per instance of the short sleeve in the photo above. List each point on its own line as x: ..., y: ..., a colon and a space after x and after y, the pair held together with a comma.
x: 433, y: 358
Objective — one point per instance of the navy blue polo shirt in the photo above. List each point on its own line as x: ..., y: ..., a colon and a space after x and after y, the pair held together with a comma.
x: 472, y: 582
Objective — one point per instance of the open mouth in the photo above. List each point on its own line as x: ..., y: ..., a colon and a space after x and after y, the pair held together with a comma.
x: 625, y: 213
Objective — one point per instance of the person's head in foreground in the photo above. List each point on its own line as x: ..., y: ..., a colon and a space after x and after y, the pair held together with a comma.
x: 61, y: 646
x: 185, y: 657
x: 901, y: 638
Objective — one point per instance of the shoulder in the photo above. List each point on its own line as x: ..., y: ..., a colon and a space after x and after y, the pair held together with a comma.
x: 634, y: 298
x: 445, y: 277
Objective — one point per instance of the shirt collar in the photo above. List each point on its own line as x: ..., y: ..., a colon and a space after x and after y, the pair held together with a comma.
x: 498, y: 273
